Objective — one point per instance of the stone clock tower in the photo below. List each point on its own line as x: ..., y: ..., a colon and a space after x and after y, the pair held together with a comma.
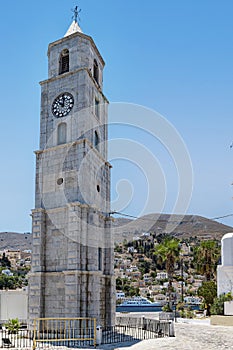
x: 72, y: 263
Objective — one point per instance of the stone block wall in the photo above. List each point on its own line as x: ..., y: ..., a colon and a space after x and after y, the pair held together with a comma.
x: 72, y: 264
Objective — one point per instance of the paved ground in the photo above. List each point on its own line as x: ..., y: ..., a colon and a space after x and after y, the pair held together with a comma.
x: 196, y: 336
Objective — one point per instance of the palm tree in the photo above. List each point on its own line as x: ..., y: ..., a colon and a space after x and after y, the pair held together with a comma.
x: 168, y: 252
x: 206, y: 258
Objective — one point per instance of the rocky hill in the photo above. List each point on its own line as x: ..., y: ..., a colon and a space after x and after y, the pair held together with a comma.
x: 15, y: 241
x: 177, y: 225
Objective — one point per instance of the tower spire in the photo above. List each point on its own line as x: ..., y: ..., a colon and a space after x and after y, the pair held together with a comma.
x: 74, y: 27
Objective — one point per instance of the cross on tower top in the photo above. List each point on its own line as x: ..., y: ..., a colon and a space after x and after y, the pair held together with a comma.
x: 76, y: 12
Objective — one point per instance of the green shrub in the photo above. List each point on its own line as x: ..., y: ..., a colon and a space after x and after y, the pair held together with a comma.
x: 218, y: 305
x: 180, y: 306
x: 186, y: 313
x: 13, y: 325
x: 166, y: 308
x: 189, y: 313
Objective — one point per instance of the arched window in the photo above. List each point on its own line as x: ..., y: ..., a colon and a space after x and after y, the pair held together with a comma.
x: 64, y: 62
x: 96, y: 71
x: 96, y: 140
x: 61, y: 133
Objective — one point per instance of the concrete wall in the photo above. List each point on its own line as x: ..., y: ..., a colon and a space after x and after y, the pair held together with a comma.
x: 217, y: 320
x: 224, y: 279
x: 13, y: 304
x: 228, y: 308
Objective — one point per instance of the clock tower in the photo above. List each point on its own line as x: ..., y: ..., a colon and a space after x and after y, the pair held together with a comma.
x: 72, y: 260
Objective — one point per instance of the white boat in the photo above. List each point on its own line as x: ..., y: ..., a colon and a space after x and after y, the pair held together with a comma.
x: 140, y: 302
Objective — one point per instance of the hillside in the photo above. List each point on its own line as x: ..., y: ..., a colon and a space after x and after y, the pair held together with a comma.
x: 179, y: 226
x: 15, y: 241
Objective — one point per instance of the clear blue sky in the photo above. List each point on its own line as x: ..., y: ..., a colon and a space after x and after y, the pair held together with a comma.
x: 174, y: 57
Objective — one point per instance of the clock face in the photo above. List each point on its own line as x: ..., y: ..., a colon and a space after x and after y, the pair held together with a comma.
x: 62, y: 104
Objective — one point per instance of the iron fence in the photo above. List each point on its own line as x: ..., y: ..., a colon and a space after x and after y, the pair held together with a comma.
x: 81, y: 332
x: 23, y: 338
x: 149, y: 325
x: 121, y: 334
x: 129, y: 329
x: 70, y: 332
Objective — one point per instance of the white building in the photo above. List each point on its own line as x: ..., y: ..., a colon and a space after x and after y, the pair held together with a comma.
x: 225, y: 270
x: 7, y: 272
x: 161, y: 276
x: 120, y: 295
x: 147, y: 278
x: 145, y: 234
x: 132, y: 250
x: 14, y: 304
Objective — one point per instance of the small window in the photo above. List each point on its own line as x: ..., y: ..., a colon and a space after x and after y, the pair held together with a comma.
x: 96, y: 140
x: 97, y: 108
x: 61, y: 133
x: 60, y: 181
x: 64, y: 62
x: 99, y: 259
x: 96, y: 71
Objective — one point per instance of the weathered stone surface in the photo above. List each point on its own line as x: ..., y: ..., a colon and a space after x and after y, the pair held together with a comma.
x: 72, y: 265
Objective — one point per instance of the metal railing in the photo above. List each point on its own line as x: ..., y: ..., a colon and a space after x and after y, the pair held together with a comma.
x: 21, y: 338
x: 122, y: 334
x: 130, y: 329
x: 64, y: 331
x: 150, y: 325
x: 81, y: 332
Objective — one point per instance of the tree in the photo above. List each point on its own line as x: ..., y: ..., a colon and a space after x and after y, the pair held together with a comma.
x: 168, y: 252
x: 4, y: 261
x: 119, y: 283
x: 218, y: 305
x: 118, y: 249
x: 133, y: 291
x: 10, y: 282
x: 206, y: 258
x: 153, y: 274
x: 208, y: 291
x: 144, y: 267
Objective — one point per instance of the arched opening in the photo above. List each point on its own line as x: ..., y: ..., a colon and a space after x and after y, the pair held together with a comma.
x: 61, y: 133
x: 64, y: 62
x: 97, y: 108
x: 96, y: 140
x: 96, y: 71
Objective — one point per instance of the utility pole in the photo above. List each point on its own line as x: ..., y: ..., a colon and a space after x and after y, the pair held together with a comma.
x: 182, y: 279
